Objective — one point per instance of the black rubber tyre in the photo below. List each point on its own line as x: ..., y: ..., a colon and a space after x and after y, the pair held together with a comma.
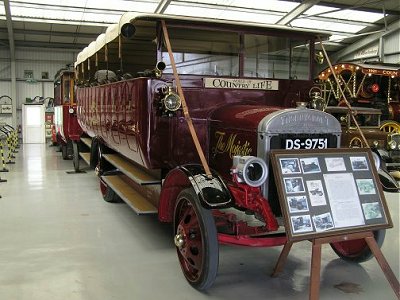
x: 108, y: 193
x: 357, y: 251
x: 64, y: 151
x: 94, y: 153
x: 196, y: 240
x: 75, y: 156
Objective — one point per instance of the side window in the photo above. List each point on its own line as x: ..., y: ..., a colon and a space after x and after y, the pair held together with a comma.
x: 275, y: 57
x: 203, y: 52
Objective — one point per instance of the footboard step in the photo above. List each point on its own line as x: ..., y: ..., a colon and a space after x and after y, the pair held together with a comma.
x: 133, y: 172
x: 87, y: 141
x: 135, y: 200
x: 85, y: 156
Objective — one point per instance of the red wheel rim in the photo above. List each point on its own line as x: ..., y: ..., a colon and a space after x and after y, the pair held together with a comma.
x: 350, y: 248
x: 190, y: 250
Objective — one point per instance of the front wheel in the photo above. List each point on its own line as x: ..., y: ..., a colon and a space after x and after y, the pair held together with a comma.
x: 357, y: 250
x: 196, y: 240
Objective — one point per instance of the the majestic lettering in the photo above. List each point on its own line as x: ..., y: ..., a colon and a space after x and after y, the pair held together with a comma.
x: 231, y: 145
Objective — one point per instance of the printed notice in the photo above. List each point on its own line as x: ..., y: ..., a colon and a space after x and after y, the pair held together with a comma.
x: 343, y: 198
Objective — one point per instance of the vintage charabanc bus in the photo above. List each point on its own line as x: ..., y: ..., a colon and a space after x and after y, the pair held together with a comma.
x: 182, y: 114
x: 67, y: 128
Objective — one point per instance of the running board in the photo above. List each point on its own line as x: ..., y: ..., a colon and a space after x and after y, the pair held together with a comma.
x: 85, y: 156
x: 133, y: 172
x: 87, y: 142
x: 135, y: 200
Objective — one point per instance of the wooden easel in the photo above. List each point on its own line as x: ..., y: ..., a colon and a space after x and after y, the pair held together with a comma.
x: 316, y: 260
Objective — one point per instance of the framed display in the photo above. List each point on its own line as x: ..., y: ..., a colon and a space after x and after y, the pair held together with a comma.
x: 329, y: 192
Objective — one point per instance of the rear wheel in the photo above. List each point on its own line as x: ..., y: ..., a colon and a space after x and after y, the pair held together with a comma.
x: 75, y: 156
x: 196, y: 240
x: 108, y: 193
x: 357, y: 250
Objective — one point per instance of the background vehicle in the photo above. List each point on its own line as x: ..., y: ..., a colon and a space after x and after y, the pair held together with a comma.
x: 67, y: 129
x: 234, y: 85
x: 373, y: 85
x: 369, y: 121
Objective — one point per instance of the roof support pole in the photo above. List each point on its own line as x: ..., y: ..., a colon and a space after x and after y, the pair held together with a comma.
x: 12, y: 61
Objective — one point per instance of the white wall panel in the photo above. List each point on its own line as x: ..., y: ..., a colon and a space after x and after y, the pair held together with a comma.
x: 5, y: 69
x: 5, y: 88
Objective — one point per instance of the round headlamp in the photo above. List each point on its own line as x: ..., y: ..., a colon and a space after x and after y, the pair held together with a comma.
x: 392, y: 145
x: 171, y: 101
x: 375, y: 143
x: 250, y: 169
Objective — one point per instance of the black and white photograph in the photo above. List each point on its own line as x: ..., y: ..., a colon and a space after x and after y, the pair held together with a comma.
x: 372, y: 210
x: 294, y: 185
x: 301, y: 223
x: 365, y: 186
x: 359, y: 163
x: 310, y: 165
x: 323, y: 222
x: 290, y: 166
x: 316, y: 192
x: 335, y: 164
x: 297, y: 203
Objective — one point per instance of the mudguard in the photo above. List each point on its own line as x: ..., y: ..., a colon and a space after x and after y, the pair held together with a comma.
x: 389, y: 184
x: 212, y: 193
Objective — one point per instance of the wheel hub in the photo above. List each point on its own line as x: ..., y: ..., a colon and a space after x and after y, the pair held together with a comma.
x: 179, y: 240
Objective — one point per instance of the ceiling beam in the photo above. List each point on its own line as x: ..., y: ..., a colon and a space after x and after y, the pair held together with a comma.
x: 362, y: 43
x: 162, y: 6
x: 10, y: 29
x: 297, y: 11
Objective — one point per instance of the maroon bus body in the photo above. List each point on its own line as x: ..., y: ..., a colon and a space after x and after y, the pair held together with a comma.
x: 132, y: 127
x: 67, y: 128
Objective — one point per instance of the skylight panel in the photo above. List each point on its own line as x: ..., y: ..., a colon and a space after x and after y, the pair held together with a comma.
x: 353, y: 15
x: 327, y: 25
x: 343, y: 14
x: 62, y: 14
x: 337, y: 38
x: 271, y: 5
x: 227, y: 14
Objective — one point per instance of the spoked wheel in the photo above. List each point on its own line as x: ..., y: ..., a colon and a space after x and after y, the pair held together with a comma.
x: 357, y: 250
x: 108, y: 193
x: 390, y: 127
x: 75, y: 156
x: 196, y: 240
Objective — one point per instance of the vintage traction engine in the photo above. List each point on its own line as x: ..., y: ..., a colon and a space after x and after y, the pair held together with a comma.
x: 178, y: 96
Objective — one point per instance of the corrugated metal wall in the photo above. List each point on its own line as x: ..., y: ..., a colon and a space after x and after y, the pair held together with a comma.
x: 392, y: 47
x: 391, y: 50
x: 37, y: 61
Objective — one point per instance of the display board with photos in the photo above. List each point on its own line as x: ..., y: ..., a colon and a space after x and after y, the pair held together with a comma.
x: 329, y: 192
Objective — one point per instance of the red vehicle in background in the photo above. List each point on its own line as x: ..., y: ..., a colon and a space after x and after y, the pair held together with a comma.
x: 67, y: 128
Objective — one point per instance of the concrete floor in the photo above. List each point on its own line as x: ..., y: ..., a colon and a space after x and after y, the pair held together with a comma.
x: 60, y: 240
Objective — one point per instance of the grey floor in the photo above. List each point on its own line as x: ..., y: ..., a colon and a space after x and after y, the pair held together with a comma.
x: 60, y: 240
